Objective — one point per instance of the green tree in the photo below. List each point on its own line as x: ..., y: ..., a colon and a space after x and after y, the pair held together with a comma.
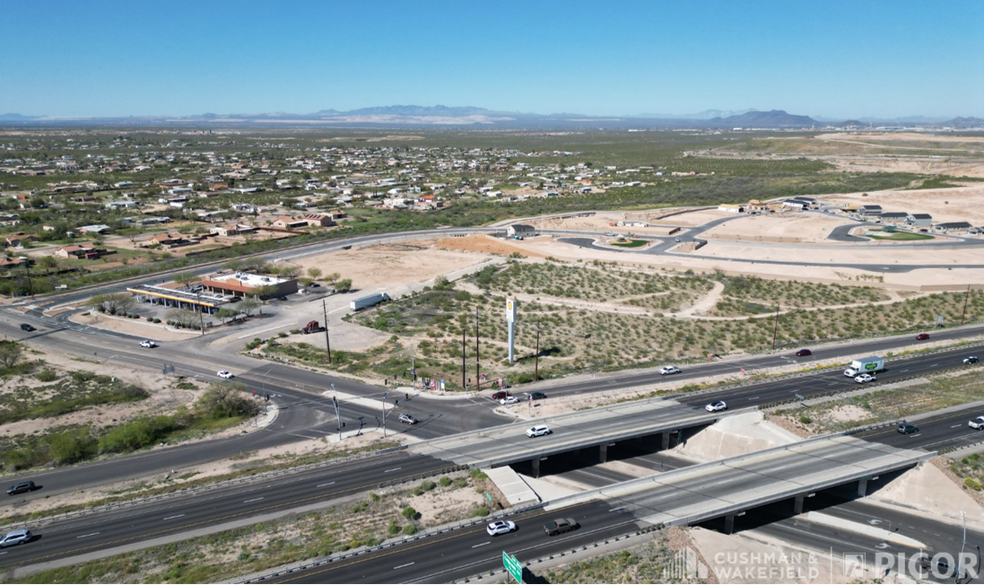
x: 248, y: 305
x: 224, y: 314
x: 343, y: 285
x: 186, y: 279
x: 10, y: 353
x: 314, y: 273
x: 112, y: 303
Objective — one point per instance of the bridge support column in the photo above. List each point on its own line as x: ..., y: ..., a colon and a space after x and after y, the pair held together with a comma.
x: 729, y: 524
x: 536, y: 466
x: 603, y: 453
x: 798, y: 504
x: 863, y: 488
x: 666, y: 440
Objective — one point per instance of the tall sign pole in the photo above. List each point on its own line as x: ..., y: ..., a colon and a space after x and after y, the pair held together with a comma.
x: 511, y: 324
x: 463, y: 386
x: 478, y: 366
x: 536, y: 361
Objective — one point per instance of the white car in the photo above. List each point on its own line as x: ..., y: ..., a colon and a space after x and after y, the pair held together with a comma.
x: 864, y: 378
x: 500, y: 527
x: 716, y: 406
x: 509, y: 400
x: 225, y: 375
x: 538, y: 431
x: 977, y: 423
x: 666, y: 370
x: 147, y: 343
x: 15, y: 537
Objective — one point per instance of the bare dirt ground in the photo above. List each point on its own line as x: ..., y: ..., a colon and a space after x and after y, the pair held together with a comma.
x: 486, y: 245
x: 956, y: 204
x: 154, y: 331
x: 790, y: 228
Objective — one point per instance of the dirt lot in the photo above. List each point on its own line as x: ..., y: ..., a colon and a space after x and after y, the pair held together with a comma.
x: 957, y: 204
x: 789, y: 228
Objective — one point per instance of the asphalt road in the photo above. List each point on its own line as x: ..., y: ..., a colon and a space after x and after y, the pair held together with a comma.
x: 216, y: 506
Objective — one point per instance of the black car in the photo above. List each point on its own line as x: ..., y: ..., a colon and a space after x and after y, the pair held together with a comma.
x: 21, y: 488
x: 803, y: 352
x: 537, y: 395
x: 27, y: 327
x: 908, y: 428
x: 971, y: 359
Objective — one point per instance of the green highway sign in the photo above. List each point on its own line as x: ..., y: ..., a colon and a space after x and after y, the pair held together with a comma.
x: 513, y: 565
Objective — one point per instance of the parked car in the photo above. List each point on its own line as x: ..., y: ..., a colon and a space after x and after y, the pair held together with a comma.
x: 972, y: 359
x: 225, y: 375
x: 538, y: 431
x: 500, y: 527
x: 500, y: 395
x: 908, y: 428
x: 803, y: 353
x: 560, y: 526
x: 977, y: 423
x: 864, y: 378
x: 509, y: 400
x: 21, y: 488
x: 406, y: 418
x: 147, y: 343
x: 16, y: 537
x: 27, y: 327
x: 922, y: 337
x: 667, y: 370
x: 716, y: 406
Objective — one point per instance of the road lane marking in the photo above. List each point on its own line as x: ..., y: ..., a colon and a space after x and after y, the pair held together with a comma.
x: 253, y: 500
x: 754, y: 398
x: 87, y: 535
x: 617, y: 509
x: 956, y: 426
x: 173, y: 517
x: 394, y: 469
x: 403, y: 566
x: 482, y: 544
x: 325, y: 484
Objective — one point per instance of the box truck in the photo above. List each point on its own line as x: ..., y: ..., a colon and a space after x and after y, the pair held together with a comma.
x: 369, y: 301
x: 865, y: 365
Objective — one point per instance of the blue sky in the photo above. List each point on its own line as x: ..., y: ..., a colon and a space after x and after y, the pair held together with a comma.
x: 829, y: 58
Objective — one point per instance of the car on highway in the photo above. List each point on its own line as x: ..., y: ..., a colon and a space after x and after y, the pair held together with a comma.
x: 26, y: 327
x: 667, y: 370
x: 716, y: 406
x: 922, y: 337
x: 147, y: 343
x: 907, y: 428
x: 406, y: 418
x: 509, y: 400
x: 500, y: 395
x: 977, y: 423
x: 16, y: 537
x: 537, y: 395
x: 971, y: 359
x: 803, y: 353
x: 864, y: 378
x: 560, y: 526
x: 500, y: 527
x: 538, y: 431
x: 225, y: 375
x: 22, y: 487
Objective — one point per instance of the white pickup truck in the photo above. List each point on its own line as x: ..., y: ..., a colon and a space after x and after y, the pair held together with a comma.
x: 977, y: 423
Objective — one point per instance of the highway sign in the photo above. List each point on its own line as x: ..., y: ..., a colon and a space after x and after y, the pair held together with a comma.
x: 513, y: 565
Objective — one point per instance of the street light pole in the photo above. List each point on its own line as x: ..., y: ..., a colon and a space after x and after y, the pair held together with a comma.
x: 963, y: 543
x: 478, y: 367
x: 775, y: 329
x: 463, y: 387
x: 201, y: 318
x: 536, y: 367
x: 385, y: 396
x: 338, y: 418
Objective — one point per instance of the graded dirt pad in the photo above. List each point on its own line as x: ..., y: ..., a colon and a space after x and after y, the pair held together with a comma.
x: 486, y: 245
x: 779, y: 228
x: 696, y: 218
x: 135, y: 327
x: 392, y: 265
x: 956, y: 204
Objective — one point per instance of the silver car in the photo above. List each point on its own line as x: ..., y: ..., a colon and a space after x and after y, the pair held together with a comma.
x: 16, y: 537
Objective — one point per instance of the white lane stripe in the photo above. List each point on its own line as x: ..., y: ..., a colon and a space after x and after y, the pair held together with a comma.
x: 617, y: 509
x: 483, y: 544
x: 403, y: 566
x: 394, y: 469
x: 173, y: 517
x: 253, y: 500
x: 87, y: 535
x: 325, y: 484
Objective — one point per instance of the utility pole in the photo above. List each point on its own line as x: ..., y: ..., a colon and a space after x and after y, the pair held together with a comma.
x: 775, y: 329
x: 966, y: 298
x: 324, y: 308
x: 463, y: 387
x: 536, y: 367
x: 413, y: 370
x: 478, y: 367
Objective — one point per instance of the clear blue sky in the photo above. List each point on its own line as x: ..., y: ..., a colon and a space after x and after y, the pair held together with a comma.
x: 829, y: 58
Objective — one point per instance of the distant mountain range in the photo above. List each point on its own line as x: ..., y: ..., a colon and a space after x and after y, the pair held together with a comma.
x: 471, y: 117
